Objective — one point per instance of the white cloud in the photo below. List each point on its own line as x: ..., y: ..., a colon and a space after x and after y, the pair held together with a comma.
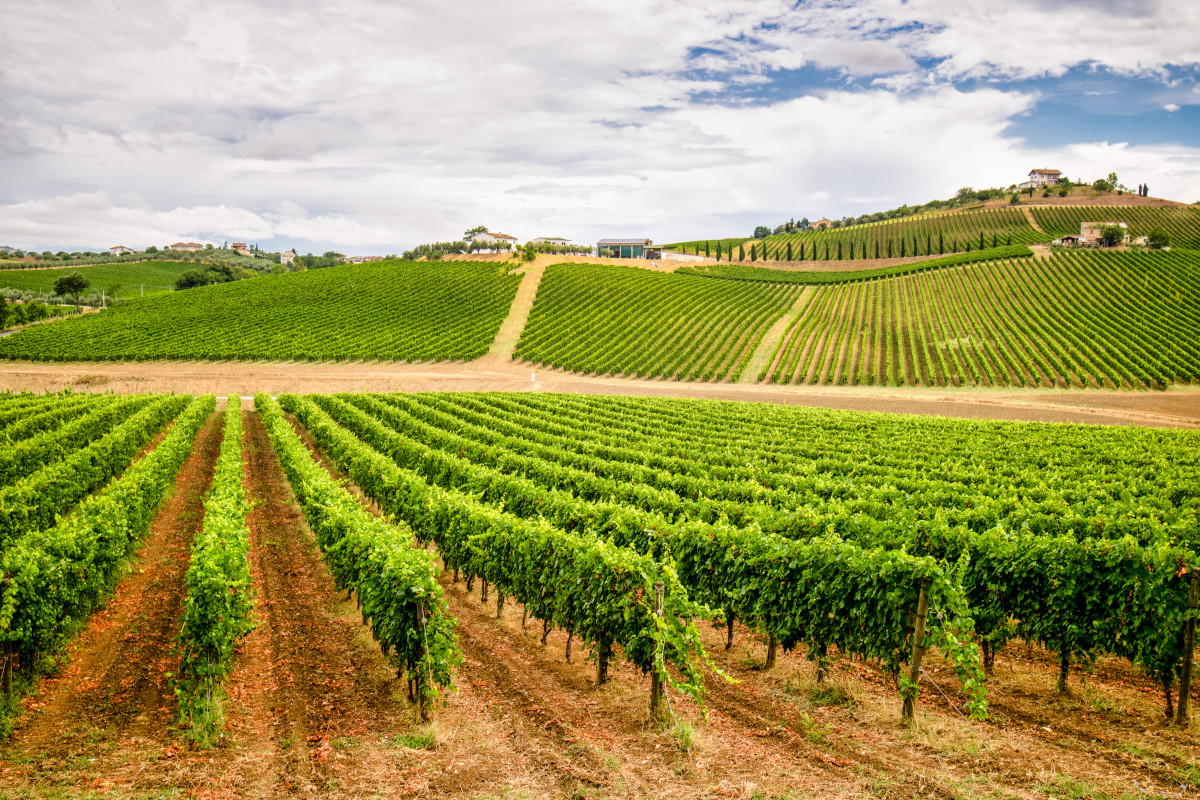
x: 1172, y: 107
x: 373, y: 126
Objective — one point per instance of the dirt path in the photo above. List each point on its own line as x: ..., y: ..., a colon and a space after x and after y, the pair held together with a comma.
x: 111, y: 710
x: 510, y: 330
x: 1033, y: 222
x: 1178, y: 407
x: 766, y: 347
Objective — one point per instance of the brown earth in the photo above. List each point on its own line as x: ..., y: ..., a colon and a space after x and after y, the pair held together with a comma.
x: 1175, y: 407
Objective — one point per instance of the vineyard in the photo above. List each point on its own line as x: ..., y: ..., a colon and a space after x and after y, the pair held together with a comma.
x: 129, y: 280
x: 391, y: 311
x: 743, y: 272
x: 1181, y: 223
x: 622, y: 320
x: 818, y: 529
x: 625, y: 527
x: 1076, y: 319
x: 931, y: 235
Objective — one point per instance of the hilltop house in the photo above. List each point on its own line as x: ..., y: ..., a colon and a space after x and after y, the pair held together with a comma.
x: 363, y: 259
x: 1090, y: 235
x: 189, y: 246
x: 821, y: 224
x: 287, y: 257
x: 555, y: 240
x: 241, y: 249
x: 120, y: 250
x: 487, y: 237
x: 1040, y: 177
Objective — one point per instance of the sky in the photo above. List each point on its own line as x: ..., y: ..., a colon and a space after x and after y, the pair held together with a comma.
x: 368, y: 127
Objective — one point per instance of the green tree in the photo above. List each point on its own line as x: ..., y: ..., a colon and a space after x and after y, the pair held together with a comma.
x: 5, y: 312
x: 1159, y: 237
x: 762, y: 232
x: 151, y: 249
x: 1111, y: 235
x: 1015, y: 199
x: 1101, y: 185
x: 467, y: 234
x: 73, y: 285
x: 1063, y: 191
x: 193, y: 278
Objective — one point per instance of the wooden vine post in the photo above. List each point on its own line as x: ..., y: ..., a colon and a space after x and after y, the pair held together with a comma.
x: 1189, y: 641
x: 422, y: 710
x: 918, y: 652
x: 655, y: 679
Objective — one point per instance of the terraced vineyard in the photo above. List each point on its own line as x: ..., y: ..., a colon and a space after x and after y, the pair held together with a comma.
x: 1079, y: 319
x: 931, y: 235
x: 1181, y: 223
x: 394, y: 311
x: 622, y: 320
x: 817, y: 528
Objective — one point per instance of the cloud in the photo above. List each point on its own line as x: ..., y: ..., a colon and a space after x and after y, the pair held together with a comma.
x: 1172, y: 107
x: 376, y: 125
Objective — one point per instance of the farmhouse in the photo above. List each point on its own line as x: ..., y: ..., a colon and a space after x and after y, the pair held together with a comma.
x: 1091, y: 235
x: 555, y: 240
x: 1041, y: 177
x: 287, y: 257
x: 190, y: 246
x: 363, y: 259
x: 628, y: 248
x: 822, y: 223
x: 488, y: 237
x: 120, y: 250
x: 241, y: 249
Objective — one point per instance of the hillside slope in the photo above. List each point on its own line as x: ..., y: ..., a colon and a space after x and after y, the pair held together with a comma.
x: 1075, y: 319
x: 620, y: 320
x: 399, y: 311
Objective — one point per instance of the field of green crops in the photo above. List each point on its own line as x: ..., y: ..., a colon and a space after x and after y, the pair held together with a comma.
x: 817, y: 528
x: 400, y: 311
x: 153, y: 277
x: 1075, y: 319
x: 1181, y: 223
x: 623, y: 320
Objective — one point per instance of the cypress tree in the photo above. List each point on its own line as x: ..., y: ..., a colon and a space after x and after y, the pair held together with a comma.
x: 889, y: 248
x: 741, y: 252
x: 876, y: 248
x: 941, y: 244
x: 993, y: 238
x: 753, y: 255
x: 801, y: 250
x: 928, y: 244
x: 789, y: 251
x: 706, y: 249
x: 902, y: 243
x: 1009, y: 239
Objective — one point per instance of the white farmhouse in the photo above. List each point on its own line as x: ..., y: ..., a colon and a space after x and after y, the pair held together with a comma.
x: 554, y: 240
x: 287, y: 257
x: 189, y: 246
x: 1042, y: 177
x: 120, y: 250
x: 488, y: 237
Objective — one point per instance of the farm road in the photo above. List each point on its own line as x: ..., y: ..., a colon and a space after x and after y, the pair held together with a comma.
x: 1178, y: 407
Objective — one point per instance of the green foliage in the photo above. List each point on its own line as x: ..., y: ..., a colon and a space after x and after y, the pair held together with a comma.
x: 1078, y: 319
x: 616, y: 319
x: 1181, y: 223
x: 34, y: 502
x: 600, y: 591
x: 1112, y: 235
x: 1159, y: 237
x: 382, y: 310
x: 217, y: 608
x: 155, y: 276
x: 54, y: 578
x: 72, y: 285
x: 739, y: 272
x: 396, y: 584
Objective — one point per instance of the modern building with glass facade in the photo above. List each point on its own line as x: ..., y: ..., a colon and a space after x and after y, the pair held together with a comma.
x: 628, y: 248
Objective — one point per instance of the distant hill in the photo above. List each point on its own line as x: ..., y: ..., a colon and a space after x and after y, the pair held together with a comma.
x: 942, y: 233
